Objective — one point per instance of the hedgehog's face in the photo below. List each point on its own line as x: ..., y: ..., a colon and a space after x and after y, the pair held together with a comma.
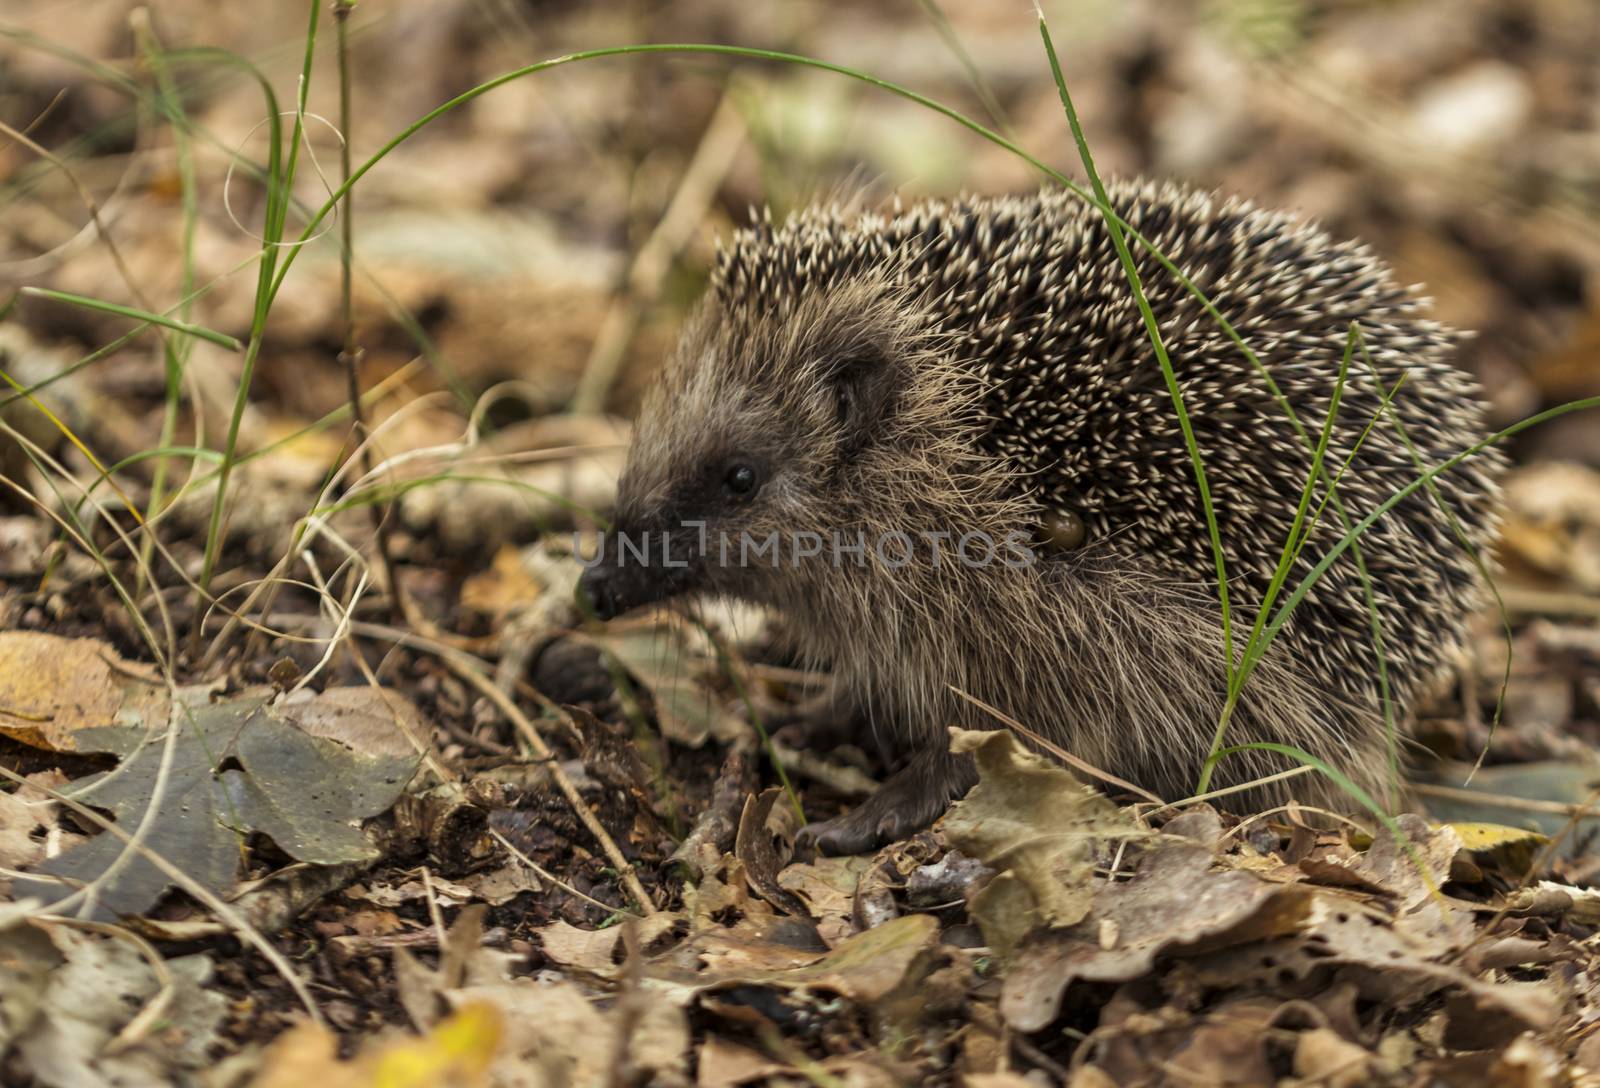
x: 746, y: 456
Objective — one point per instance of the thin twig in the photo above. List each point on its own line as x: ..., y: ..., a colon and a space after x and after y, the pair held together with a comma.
x: 122, y: 270
x: 980, y: 85
x: 96, y: 224
x: 701, y: 178
x: 1212, y: 795
x: 1328, y: 813
x: 351, y: 354
x: 265, y: 589
x: 135, y: 1031
x: 435, y: 915
x: 545, y: 874
x: 1501, y: 800
x: 1535, y: 602
x: 1060, y: 753
x: 1542, y: 862
x: 470, y: 670
x: 628, y: 1009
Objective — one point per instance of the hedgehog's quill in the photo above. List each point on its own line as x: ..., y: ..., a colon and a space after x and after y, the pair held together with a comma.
x: 939, y: 443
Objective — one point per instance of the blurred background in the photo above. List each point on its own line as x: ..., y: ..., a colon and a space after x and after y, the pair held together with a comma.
x: 553, y: 232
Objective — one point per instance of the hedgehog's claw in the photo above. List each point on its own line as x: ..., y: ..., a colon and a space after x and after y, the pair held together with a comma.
x: 909, y: 801
x: 837, y: 837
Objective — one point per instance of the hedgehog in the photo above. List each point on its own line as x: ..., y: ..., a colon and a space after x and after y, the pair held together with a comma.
x: 937, y: 441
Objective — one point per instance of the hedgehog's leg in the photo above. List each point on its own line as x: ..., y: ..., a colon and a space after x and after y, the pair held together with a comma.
x: 912, y: 798
x: 822, y: 721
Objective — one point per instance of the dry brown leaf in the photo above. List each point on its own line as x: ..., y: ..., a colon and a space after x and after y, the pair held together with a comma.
x: 28, y: 962
x: 233, y: 767
x: 1386, y: 867
x: 95, y: 994
x: 658, y: 1039
x: 554, y: 1034
x: 869, y: 965
x: 599, y: 951
x: 50, y: 687
x: 1553, y: 521
x: 724, y: 1064
x: 374, y: 923
x: 1174, y: 900
x: 1582, y: 905
x: 1325, y: 1057
x: 762, y: 948
x: 370, y: 721
x: 756, y: 845
x: 676, y: 664
x: 497, y: 887
x: 1511, y: 848
x: 1006, y: 913
x: 1168, y: 1044
x: 29, y: 831
x: 464, y: 961
x: 306, y: 1054
x: 1091, y: 1076
x: 827, y: 887
x: 1528, y: 1062
x: 23, y: 541
x: 448, y: 892
x: 1030, y: 817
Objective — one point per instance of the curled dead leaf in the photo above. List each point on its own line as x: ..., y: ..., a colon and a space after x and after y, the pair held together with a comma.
x: 1034, y: 819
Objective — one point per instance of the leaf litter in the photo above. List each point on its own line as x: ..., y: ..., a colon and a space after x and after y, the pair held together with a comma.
x: 70, y: 1026
x: 229, y: 769
x: 1189, y: 959
x: 1055, y: 928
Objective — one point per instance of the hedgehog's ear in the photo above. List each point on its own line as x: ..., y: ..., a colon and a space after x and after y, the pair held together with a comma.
x: 860, y: 382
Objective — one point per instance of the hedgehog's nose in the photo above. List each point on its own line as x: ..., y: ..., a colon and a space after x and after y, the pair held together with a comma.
x: 597, y: 588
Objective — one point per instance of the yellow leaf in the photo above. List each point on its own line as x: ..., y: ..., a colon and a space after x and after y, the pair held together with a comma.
x: 1480, y: 837
x: 457, y: 1052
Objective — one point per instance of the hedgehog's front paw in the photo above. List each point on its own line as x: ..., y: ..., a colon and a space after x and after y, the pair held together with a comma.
x: 912, y: 799
x: 857, y: 832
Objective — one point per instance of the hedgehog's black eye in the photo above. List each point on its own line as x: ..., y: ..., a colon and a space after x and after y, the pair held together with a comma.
x: 741, y: 481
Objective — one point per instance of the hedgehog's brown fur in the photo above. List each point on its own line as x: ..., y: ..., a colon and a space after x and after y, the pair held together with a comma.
x: 981, y: 364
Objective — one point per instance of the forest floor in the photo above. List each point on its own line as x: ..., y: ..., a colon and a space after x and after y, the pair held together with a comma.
x: 340, y: 784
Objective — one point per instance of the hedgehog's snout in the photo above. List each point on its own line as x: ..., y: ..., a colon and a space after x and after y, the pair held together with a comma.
x: 598, y: 592
x: 633, y: 569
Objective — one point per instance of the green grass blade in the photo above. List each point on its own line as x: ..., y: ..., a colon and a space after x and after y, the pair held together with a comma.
x: 280, y: 182
x: 1153, y: 329
x: 958, y: 49
x: 221, y: 339
x: 1347, y: 786
x: 389, y: 492
x: 1477, y: 560
x: 1286, y: 560
x: 1397, y: 497
x: 1299, y: 531
x: 176, y: 354
x: 691, y: 49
